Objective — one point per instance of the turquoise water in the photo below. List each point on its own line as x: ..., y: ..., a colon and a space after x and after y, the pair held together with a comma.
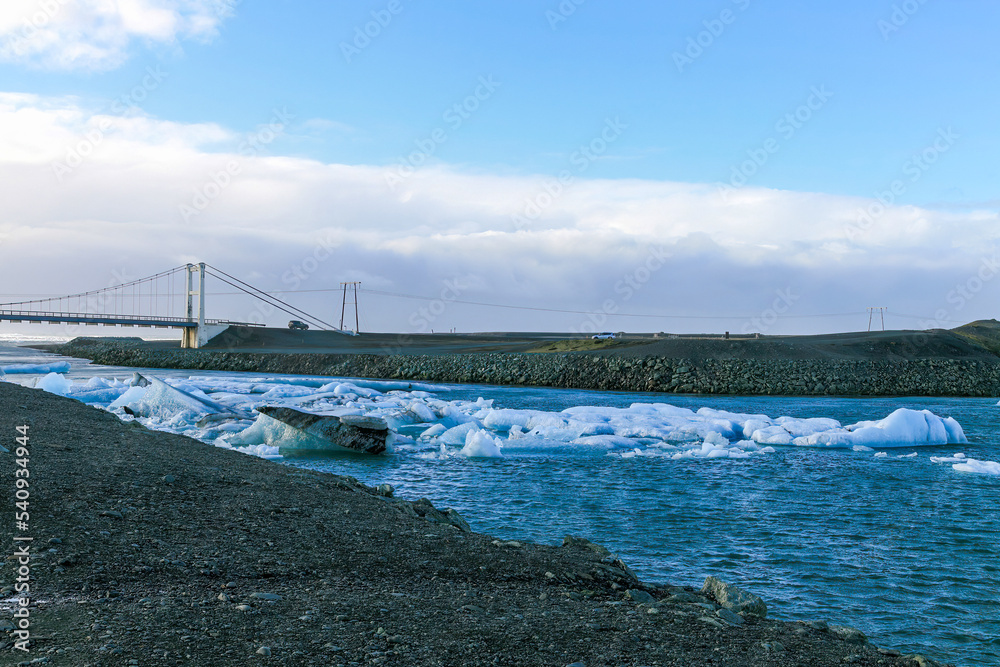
x: 902, y: 548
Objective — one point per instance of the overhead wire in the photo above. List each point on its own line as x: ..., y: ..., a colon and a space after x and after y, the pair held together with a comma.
x: 129, y: 294
x: 268, y: 298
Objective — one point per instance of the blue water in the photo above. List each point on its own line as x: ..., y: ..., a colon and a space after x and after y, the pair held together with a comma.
x: 902, y: 548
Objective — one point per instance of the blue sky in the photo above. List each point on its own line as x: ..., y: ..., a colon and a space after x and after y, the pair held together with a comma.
x: 890, y: 96
x: 809, y: 112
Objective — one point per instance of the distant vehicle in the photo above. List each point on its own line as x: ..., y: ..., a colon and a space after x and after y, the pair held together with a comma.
x: 298, y: 325
x: 606, y: 335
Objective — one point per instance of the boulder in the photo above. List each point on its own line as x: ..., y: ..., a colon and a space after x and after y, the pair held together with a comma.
x: 582, y: 543
x: 734, y: 598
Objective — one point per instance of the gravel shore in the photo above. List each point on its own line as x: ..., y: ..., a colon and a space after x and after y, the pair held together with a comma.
x: 154, y: 549
x: 956, y: 369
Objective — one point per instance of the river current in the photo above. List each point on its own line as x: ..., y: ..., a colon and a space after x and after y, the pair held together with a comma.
x: 900, y: 546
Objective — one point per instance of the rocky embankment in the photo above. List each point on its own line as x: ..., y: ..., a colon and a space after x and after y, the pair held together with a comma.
x: 150, y: 548
x: 802, y: 377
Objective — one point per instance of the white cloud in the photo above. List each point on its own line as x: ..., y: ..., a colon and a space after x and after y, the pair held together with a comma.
x: 97, y: 34
x: 296, y: 223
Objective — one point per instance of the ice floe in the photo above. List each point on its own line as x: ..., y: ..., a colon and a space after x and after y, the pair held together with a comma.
x: 222, y: 410
x: 36, y: 369
x: 54, y: 383
x: 962, y: 463
x: 482, y: 444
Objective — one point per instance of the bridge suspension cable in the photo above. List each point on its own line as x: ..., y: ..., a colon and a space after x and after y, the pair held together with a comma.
x: 141, y: 298
x: 283, y: 306
x: 120, y: 291
x: 164, y: 299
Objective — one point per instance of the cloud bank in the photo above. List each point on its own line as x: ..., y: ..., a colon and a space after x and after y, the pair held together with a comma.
x: 88, y: 196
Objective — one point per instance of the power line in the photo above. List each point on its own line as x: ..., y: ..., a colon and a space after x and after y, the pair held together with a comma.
x: 416, y: 297
x: 589, y: 312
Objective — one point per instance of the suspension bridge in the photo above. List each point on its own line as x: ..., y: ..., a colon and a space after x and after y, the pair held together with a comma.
x: 172, y: 299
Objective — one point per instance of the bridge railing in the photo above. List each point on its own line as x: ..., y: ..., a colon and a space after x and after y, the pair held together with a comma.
x: 29, y: 315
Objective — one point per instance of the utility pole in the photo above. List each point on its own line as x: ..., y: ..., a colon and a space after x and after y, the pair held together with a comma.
x: 871, y: 312
x: 353, y: 287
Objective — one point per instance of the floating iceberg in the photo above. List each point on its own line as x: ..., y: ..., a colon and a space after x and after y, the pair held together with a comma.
x: 54, y: 383
x: 903, y: 427
x: 222, y: 410
x: 151, y: 397
x: 482, y: 444
x: 38, y: 369
x: 963, y: 464
x: 358, y: 434
x: 981, y: 467
x: 98, y: 390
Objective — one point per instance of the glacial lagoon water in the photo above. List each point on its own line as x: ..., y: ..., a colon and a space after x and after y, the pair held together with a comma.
x: 898, y: 545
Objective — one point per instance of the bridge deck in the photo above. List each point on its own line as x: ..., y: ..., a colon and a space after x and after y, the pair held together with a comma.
x: 109, y: 320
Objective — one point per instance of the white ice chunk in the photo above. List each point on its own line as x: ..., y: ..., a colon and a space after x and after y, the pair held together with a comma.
x: 481, y: 444
x: 608, y: 441
x: 284, y: 391
x: 903, y: 428
x: 458, y: 434
x: 981, y: 467
x: 805, y: 427
x: 452, y: 415
x: 106, y: 395
x: 502, y: 420
x: 435, y: 430
x: 131, y: 395
x: 954, y: 458
x: 274, y: 433
x: 962, y: 463
x: 771, y: 435
x: 37, y: 369
x: 54, y: 383
x: 172, y: 403
x: 420, y: 411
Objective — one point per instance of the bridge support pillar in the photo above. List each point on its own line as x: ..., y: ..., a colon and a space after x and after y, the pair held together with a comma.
x: 197, y: 336
x: 192, y: 337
